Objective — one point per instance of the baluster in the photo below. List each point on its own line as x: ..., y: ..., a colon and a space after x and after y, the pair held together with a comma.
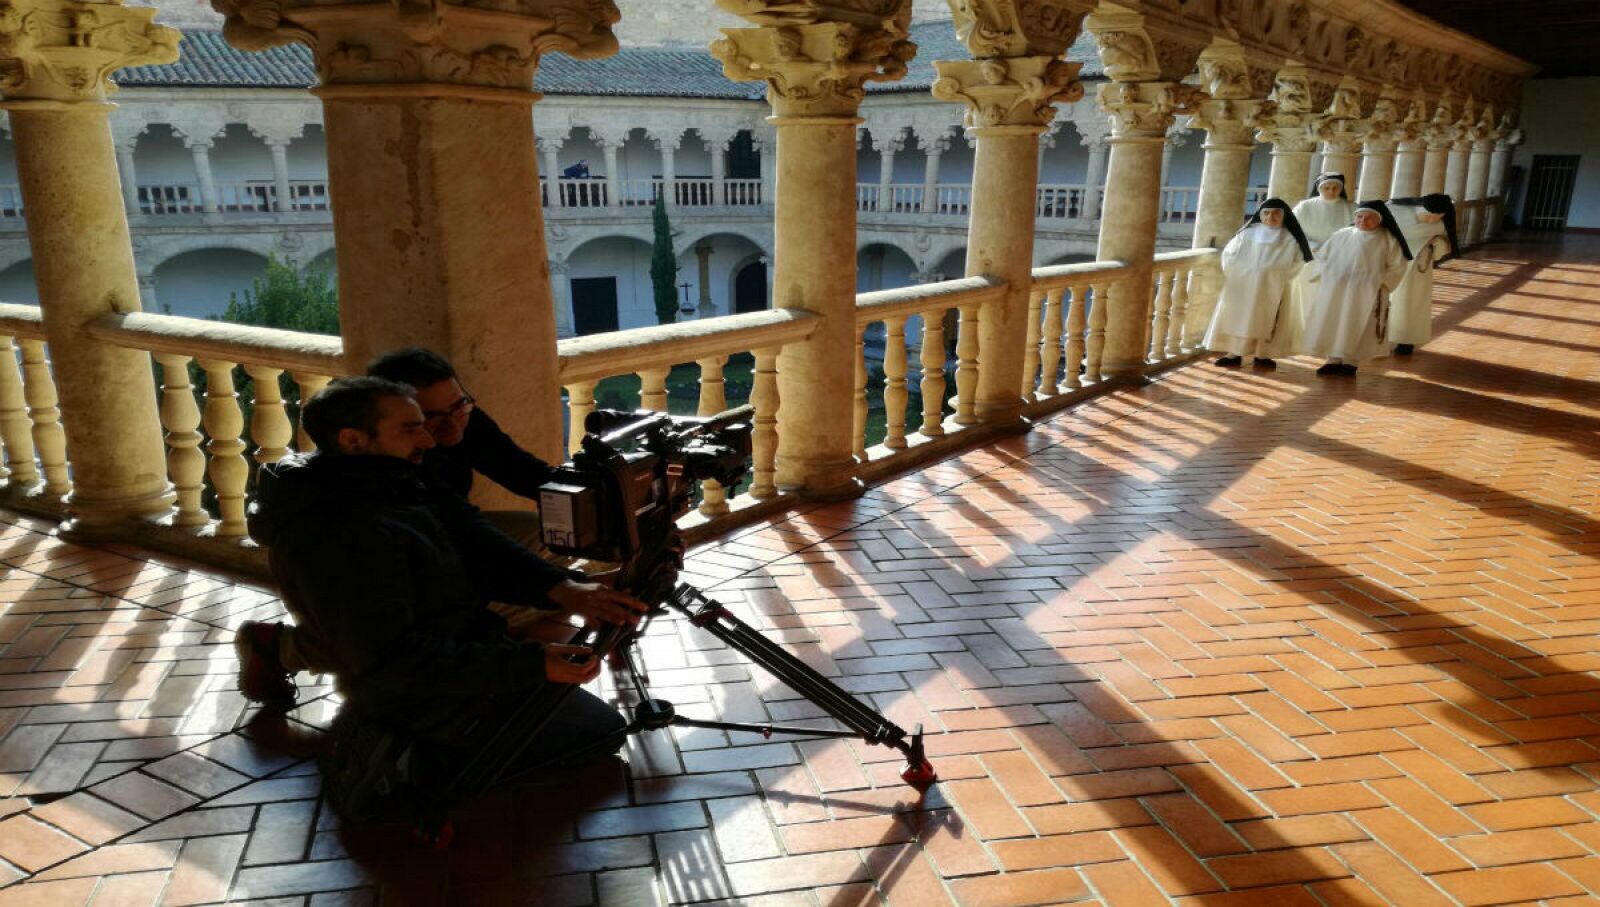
x: 1096, y: 344
x: 713, y: 400
x: 1075, y: 319
x: 895, y: 393
x: 967, y: 366
x: 1030, y: 349
x: 39, y: 389
x: 764, y: 440
x: 16, y: 429
x: 180, y: 417
x: 269, y: 421
x: 932, y: 361
x: 1180, y: 311
x: 310, y: 386
x: 653, y: 388
x: 224, y: 423
x: 1158, y: 333
x: 580, y: 403
x: 859, y: 433
x: 1050, y: 353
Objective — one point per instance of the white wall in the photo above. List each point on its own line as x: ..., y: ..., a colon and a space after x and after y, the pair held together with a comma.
x: 1560, y: 116
x: 883, y: 267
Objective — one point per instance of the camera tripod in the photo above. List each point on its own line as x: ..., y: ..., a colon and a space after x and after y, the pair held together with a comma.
x: 491, y: 762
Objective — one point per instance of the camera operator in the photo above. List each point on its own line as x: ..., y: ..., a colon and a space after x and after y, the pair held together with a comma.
x: 465, y: 441
x: 390, y: 580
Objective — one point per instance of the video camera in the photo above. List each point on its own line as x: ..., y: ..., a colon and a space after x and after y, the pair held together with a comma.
x: 619, y: 497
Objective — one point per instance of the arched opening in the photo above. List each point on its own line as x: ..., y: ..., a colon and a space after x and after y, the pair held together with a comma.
x: 165, y: 169
x: 327, y: 263
x: 609, y: 280
x: 199, y: 284
x: 880, y: 266
x: 17, y: 284
x: 750, y: 288
x: 710, y: 267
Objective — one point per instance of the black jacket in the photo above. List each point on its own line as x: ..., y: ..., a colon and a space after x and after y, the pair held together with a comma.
x: 393, y: 579
x: 485, y: 448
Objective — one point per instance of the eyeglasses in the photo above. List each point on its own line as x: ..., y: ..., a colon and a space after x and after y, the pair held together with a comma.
x: 462, y: 406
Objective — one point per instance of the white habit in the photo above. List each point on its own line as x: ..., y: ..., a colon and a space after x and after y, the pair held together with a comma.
x: 1411, y: 303
x: 1318, y: 218
x: 1258, y: 265
x: 1353, y: 272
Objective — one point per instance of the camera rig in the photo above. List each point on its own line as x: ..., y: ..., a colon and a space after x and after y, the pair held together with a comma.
x: 618, y: 500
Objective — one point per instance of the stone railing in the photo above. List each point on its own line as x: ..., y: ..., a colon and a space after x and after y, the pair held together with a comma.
x: 1062, y: 200
x: 952, y: 198
x: 1180, y: 204
x: 229, y: 394
x: 184, y: 198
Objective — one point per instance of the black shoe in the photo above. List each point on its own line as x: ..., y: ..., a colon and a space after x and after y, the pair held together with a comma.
x: 1329, y: 368
x: 1259, y: 362
x: 1230, y: 361
x: 1404, y: 349
x: 262, y: 677
x: 1347, y: 370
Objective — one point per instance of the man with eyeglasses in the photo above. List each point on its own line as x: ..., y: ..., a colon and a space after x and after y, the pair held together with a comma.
x: 466, y: 441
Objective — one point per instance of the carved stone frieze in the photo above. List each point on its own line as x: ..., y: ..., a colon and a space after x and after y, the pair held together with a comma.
x: 819, y: 68
x: 64, y: 50
x: 1013, y: 91
x: 1017, y: 28
x: 454, y: 42
x: 1146, y: 109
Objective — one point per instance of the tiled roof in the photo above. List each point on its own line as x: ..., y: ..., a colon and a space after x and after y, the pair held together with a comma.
x: 207, y: 60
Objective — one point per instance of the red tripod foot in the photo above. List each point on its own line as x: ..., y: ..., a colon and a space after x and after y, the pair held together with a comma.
x: 919, y: 771
x: 437, y: 837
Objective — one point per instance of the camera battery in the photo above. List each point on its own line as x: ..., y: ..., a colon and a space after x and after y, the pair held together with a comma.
x: 570, y: 514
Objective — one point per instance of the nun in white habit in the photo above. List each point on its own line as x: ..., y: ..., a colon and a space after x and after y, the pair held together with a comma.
x: 1354, y: 272
x: 1327, y: 209
x: 1258, y: 265
x: 1429, y: 225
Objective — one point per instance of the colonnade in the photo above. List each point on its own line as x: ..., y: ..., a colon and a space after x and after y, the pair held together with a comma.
x: 434, y: 176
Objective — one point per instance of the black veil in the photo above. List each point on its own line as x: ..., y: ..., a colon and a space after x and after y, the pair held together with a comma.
x: 1290, y: 223
x: 1438, y: 203
x: 1389, y: 223
x: 1324, y: 177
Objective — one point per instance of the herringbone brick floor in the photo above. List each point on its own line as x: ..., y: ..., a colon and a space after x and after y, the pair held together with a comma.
x: 1231, y: 638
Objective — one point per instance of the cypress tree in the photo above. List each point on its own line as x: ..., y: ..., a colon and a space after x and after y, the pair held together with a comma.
x: 664, y: 266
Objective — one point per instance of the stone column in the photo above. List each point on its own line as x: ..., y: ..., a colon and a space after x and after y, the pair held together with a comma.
x: 1378, y: 148
x: 1094, y: 178
x: 1455, y: 172
x: 1478, y: 185
x: 1410, y: 150
x: 887, y: 149
x: 934, y: 148
x: 702, y: 254
x: 609, y: 147
x: 1009, y: 90
x: 1499, y: 163
x: 200, y: 150
x: 717, y: 147
x: 1173, y: 141
x: 1142, y: 98
x: 561, y: 296
x: 815, y: 59
x: 58, y: 55
x: 1340, y: 156
x: 766, y: 145
x: 668, y: 144
x: 1229, y: 117
x: 435, y: 184
x: 280, y: 175
x: 550, y: 150
x: 1288, y: 130
x: 129, y: 176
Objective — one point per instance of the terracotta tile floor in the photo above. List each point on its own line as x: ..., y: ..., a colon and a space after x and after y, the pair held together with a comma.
x: 1232, y: 638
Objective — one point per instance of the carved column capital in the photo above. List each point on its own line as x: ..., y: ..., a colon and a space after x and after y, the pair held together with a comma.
x: 816, y: 58
x: 1136, y: 48
x: 1008, y: 91
x: 65, y: 50
x: 1146, y: 110
x: 1007, y: 28
x: 1289, y: 126
x: 425, y: 44
x: 1229, y: 122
